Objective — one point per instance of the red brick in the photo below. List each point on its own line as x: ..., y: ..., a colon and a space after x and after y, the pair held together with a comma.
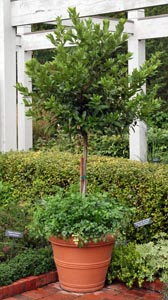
x: 117, y: 286
x: 136, y: 292
x: 50, y: 290
x: 108, y: 294
x: 37, y: 294
x: 90, y: 297
x: 2, y: 292
x: 156, y: 285
x: 13, y: 289
x: 153, y: 296
x: 61, y: 296
x: 125, y: 297
x: 41, y: 280
x: 10, y: 298
x: 30, y: 283
x: 45, y: 279
x: 52, y: 276
x: 26, y: 284
x: 18, y: 287
x: 6, y: 291
x: 55, y: 285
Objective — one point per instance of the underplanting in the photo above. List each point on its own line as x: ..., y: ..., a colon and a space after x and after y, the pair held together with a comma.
x: 132, y: 263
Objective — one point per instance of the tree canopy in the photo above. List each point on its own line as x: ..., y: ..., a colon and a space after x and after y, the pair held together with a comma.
x: 86, y: 87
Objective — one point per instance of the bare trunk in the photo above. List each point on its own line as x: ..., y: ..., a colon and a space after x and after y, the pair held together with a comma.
x: 83, y: 181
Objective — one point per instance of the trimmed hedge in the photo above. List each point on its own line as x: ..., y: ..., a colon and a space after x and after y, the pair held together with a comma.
x: 30, y: 262
x: 143, y: 185
x: 34, y: 174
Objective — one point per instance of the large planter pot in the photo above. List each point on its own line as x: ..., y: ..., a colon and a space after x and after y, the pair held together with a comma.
x: 82, y: 269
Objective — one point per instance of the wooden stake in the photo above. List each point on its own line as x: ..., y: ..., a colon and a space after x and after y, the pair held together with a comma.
x: 82, y: 179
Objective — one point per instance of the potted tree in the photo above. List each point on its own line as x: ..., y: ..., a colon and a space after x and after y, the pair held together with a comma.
x: 86, y: 89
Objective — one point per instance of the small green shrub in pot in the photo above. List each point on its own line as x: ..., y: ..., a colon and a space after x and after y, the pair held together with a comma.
x: 68, y: 214
x: 82, y: 232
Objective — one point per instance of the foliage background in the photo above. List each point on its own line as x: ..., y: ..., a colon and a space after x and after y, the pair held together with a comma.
x: 36, y: 174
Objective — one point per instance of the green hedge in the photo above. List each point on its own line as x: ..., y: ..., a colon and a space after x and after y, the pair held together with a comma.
x: 34, y: 174
x: 30, y: 262
x: 143, y: 185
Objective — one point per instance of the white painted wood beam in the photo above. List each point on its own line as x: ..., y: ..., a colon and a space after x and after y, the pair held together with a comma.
x: 138, y: 141
x: 35, y: 41
x: 7, y: 80
x: 25, y: 140
x: 128, y: 28
x: 152, y: 27
x: 137, y: 137
x: 136, y: 46
x: 36, y: 11
x: 146, y: 28
x: 38, y: 40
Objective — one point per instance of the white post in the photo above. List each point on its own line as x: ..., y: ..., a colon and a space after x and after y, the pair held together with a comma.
x: 135, y: 46
x: 7, y: 79
x: 138, y: 141
x: 24, y: 123
x: 138, y: 137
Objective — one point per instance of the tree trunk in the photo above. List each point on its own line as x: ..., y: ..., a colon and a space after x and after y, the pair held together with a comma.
x: 83, y: 181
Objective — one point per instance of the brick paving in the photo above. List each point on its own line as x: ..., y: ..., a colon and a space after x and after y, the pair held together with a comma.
x: 116, y: 291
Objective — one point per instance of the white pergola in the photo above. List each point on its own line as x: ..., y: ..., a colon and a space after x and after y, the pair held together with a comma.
x: 17, y: 43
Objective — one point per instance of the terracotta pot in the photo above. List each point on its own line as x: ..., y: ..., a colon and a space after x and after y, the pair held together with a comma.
x: 82, y: 269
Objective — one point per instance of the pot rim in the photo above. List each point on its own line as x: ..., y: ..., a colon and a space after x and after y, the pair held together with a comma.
x: 71, y: 243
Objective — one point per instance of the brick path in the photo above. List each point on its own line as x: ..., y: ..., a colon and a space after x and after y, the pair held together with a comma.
x: 116, y: 291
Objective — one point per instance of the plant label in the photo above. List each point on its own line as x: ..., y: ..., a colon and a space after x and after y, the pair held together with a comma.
x: 143, y: 223
x: 14, y: 234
